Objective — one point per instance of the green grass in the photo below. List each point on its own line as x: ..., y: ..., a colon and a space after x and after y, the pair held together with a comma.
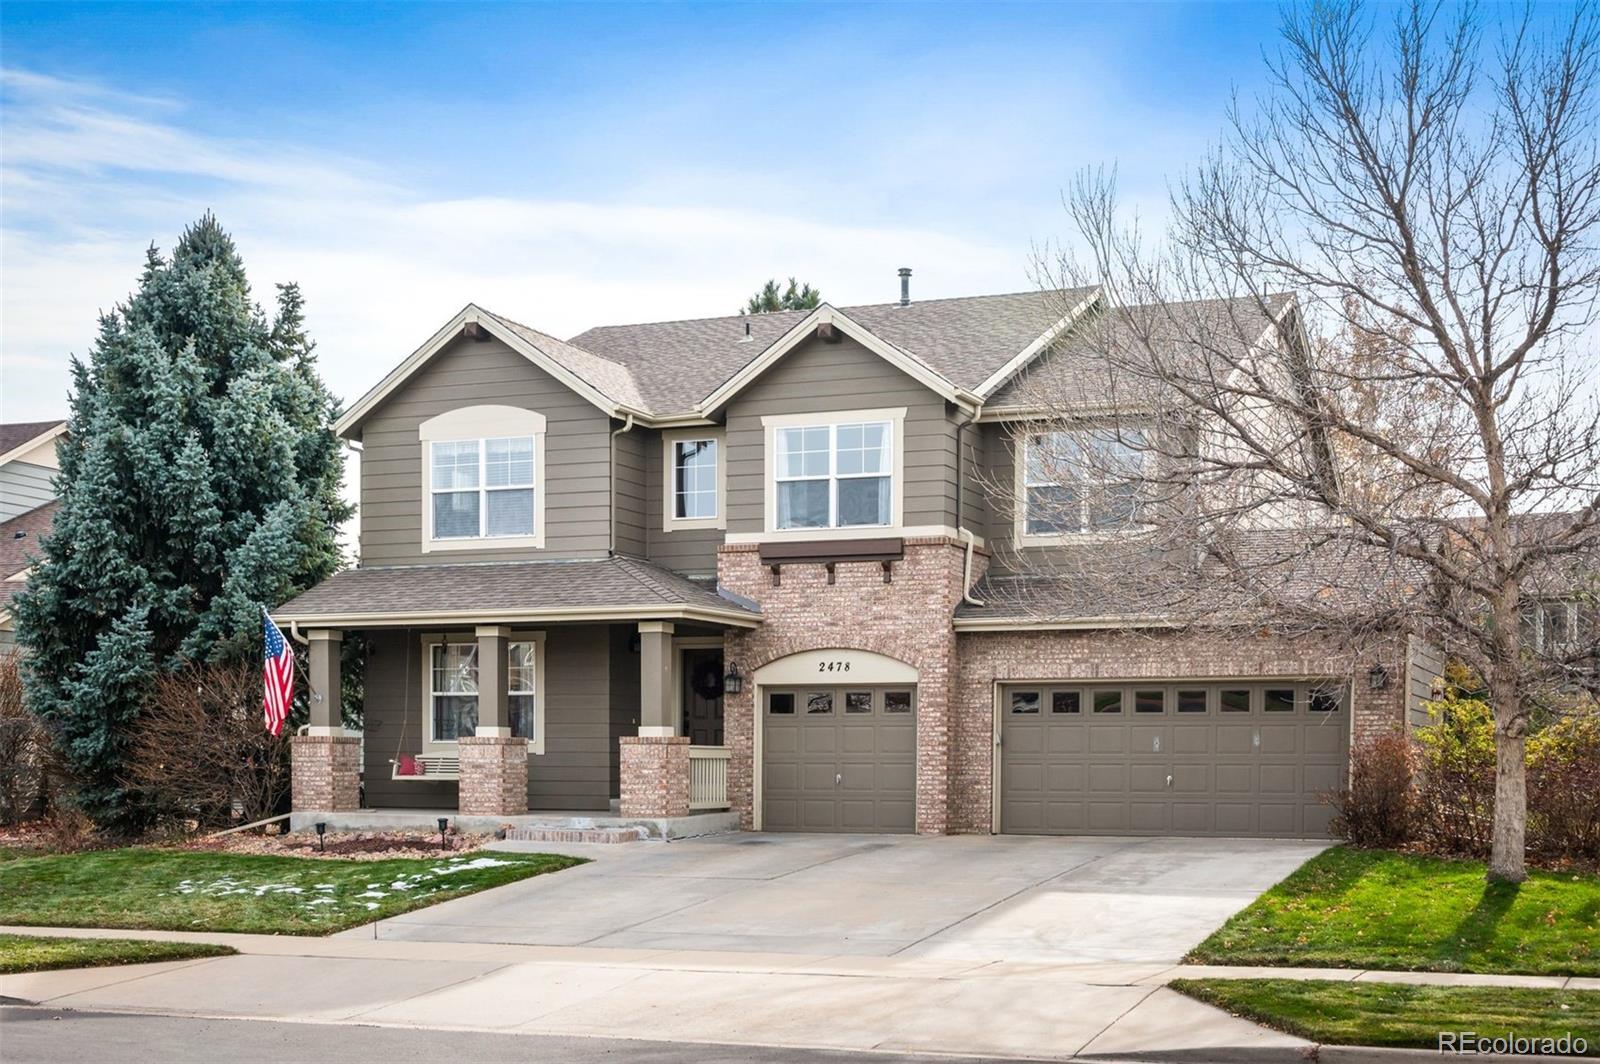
x: 30, y: 953
x: 1349, y: 908
x: 186, y: 890
x: 1389, y: 1014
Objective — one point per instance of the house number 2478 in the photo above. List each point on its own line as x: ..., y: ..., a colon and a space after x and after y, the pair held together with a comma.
x: 833, y: 666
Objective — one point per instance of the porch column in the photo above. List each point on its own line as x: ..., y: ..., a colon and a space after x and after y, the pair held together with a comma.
x: 494, y: 714
x: 655, y: 679
x: 655, y: 763
x: 323, y: 669
x: 494, y: 765
x: 325, y: 763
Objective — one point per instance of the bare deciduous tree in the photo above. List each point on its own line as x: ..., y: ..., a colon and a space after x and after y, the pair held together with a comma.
x: 203, y: 753
x: 1354, y: 385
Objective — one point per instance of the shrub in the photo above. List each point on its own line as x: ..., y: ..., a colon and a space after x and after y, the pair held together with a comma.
x: 203, y: 754
x: 1564, y: 786
x: 1455, y: 801
x: 31, y: 775
x: 1379, y: 807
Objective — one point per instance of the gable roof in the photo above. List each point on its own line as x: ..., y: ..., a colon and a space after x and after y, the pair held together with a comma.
x: 1074, y: 371
x: 683, y: 370
x: 21, y: 435
x: 965, y: 340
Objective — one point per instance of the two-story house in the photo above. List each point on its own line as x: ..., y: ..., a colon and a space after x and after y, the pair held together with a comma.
x: 28, y: 468
x: 762, y: 561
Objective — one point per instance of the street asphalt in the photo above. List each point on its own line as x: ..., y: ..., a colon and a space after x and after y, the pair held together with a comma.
x: 62, y: 1036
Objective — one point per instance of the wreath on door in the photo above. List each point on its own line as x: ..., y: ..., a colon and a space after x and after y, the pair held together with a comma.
x: 705, y: 679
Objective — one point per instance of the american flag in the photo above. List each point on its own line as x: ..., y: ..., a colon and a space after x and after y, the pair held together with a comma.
x: 277, y: 671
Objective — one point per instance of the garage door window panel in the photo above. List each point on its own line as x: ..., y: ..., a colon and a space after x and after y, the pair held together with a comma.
x: 1066, y: 701
x: 1278, y: 700
x: 1149, y: 701
x: 1107, y: 701
x: 858, y: 701
x: 1233, y: 700
x: 897, y: 701
x: 781, y: 703
x: 1192, y: 701
x: 819, y: 702
x: 1025, y: 703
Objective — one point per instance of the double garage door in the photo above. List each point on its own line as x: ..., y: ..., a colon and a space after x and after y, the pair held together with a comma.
x: 839, y: 758
x: 1172, y: 759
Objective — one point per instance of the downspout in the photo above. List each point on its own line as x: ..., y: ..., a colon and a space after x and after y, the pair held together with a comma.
x: 611, y: 508
x: 972, y: 541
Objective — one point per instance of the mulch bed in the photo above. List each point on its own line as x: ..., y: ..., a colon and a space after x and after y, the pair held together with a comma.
x: 346, y: 845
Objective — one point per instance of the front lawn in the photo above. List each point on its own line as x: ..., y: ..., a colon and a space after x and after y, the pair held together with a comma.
x: 190, y: 890
x: 1348, y: 908
x: 30, y: 953
x: 1390, y: 1014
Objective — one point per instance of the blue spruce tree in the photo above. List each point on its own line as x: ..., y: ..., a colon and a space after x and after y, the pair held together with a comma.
x: 199, y: 482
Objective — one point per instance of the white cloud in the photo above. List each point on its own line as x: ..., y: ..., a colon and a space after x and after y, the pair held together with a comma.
x: 89, y: 177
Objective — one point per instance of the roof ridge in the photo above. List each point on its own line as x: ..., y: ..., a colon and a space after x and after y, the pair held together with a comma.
x: 836, y: 306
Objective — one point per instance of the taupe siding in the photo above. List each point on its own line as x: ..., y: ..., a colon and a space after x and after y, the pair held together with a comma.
x: 627, y: 498
x: 625, y: 685
x: 997, y: 476
x: 974, y: 500
x: 578, y: 767
x: 577, y: 457
x: 23, y: 487
x: 1424, y: 664
x: 819, y: 377
x: 692, y: 551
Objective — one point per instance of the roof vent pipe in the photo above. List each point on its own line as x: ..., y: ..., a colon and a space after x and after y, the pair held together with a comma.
x: 905, y: 286
x: 747, y: 337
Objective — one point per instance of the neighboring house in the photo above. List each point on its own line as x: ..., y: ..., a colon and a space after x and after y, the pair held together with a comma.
x: 761, y: 562
x: 27, y: 504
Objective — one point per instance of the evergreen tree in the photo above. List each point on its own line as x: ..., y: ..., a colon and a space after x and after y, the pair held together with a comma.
x: 199, y: 482
x: 772, y: 298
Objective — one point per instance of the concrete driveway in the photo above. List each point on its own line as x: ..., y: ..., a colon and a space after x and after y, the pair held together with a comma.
x: 977, y: 898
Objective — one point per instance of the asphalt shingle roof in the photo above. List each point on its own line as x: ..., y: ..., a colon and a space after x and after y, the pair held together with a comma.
x: 675, y: 364
x: 502, y: 586
x: 18, y: 433
x: 1076, y: 370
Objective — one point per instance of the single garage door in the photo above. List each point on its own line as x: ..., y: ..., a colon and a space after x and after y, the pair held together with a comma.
x: 1172, y: 759
x: 839, y: 759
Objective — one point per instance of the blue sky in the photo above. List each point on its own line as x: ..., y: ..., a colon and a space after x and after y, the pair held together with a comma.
x: 573, y: 165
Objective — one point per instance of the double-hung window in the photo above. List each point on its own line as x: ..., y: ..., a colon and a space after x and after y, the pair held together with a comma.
x: 483, y: 488
x: 483, y: 468
x: 835, y: 475
x: 1084, y: 480
x: 453, y: 690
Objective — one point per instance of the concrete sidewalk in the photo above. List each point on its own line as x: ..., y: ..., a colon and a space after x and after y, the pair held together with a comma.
x: 915, y: 1004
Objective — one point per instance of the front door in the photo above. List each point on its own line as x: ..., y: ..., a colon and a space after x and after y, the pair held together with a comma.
x: 702, y: 695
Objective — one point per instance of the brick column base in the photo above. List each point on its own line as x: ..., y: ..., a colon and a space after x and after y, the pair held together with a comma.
x: 655, y: 775
x: 494, y: 776
x: 325, y: 774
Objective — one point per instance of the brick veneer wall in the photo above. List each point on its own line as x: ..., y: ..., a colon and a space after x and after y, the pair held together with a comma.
x: 494, y: 775
x: 325, y: 773
x: 984, y: 658
x: 907, y: 619
x: 655, y: 775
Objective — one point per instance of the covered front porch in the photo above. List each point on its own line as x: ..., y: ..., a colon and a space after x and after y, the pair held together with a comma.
x: 489, y: 693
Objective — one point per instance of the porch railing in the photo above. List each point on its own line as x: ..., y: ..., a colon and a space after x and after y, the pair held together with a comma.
x: 708, y: 777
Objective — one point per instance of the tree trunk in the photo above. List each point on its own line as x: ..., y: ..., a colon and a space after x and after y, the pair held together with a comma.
x: 1510, y: 786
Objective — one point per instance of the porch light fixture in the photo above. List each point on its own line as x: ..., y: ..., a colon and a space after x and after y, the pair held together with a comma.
x: 444, y: 827
x: 733, y: 682
x: 1378, y: 676
x: 322, y: 829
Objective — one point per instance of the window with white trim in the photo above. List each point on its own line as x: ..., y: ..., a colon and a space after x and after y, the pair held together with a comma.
x: 482, y: 489
x: 1085, y: 480
x: 694, y: 479
x: 834, y: 475
x: 453, y: 690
